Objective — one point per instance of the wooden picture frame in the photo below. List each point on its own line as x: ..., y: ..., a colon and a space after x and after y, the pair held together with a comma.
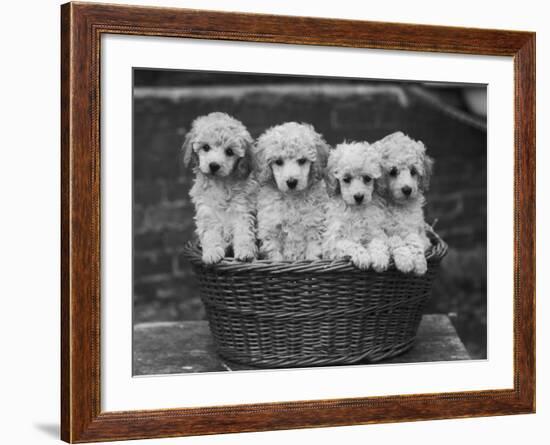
x: 82, y: 26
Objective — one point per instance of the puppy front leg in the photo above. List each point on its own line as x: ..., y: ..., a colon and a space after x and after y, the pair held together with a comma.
x: 402, y: 254
x: 244, y: 241
x: 416, y: 245
x: 314, y: 234
x: 379, y: 252
x: 270, y: 236
x: 210, y: 232
x: 272, y: 248
x: 314, y: 248
x: 358, y: 255
x: 212, y: 246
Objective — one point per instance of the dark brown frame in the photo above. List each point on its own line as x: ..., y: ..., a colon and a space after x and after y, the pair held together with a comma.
x: 81, y: 28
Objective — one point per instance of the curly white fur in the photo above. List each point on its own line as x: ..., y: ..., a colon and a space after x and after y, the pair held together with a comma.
x: 218, y: 147
x: 290, y: 159
x: 355, y: 215
x: 406, y: 173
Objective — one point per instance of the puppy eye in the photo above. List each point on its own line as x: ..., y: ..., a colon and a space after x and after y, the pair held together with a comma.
x: 414, y: 172
x: 279, y: 162
x: 206, y: 147
x: 229, y: 152
x: 302, y: 161
x: 347, y: 179
x: 393, y: 172
x: 366, y: 179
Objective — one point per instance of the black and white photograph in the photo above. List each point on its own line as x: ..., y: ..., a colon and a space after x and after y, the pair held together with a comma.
x: 275, y: 222
x: 284, y: 221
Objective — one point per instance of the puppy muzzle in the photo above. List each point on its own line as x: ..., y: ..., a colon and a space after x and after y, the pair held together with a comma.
x: 291, y: 183
x: 214, y: 167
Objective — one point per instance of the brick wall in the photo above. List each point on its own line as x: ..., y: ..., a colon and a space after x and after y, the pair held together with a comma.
x: 163, y: 285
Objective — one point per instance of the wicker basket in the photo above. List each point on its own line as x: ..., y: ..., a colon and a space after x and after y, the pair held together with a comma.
x: 311, y: 313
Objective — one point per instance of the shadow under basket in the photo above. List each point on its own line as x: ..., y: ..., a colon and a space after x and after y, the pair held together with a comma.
x: 310, y: 313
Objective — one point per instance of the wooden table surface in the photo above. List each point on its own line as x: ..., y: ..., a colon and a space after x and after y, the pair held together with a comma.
x: 187, y: 346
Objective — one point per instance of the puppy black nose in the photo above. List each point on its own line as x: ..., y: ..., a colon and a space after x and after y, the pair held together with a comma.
x: 214, y: 167
x: 406, y: 190
x: 292, y: 183
x: 358, y: 198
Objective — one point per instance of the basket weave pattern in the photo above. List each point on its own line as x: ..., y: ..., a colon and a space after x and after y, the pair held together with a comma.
x: 311, y: 313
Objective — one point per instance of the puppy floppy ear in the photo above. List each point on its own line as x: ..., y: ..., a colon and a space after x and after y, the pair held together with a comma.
x: 381, y: 185
x: 245, y: 164
x: 428, y: 170
x: 265, y: 174
x: 322, y: 158
x: 332, y: 183
x: 381, y: 182
x: 243, y: 167
x: 261, y: 159
x: 319, y: 166
x: 190, y: 158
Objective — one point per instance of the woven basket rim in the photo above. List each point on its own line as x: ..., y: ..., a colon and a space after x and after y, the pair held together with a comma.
x: 193, y: 253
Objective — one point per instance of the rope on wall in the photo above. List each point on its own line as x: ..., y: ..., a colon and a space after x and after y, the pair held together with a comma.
x: 449, y: 110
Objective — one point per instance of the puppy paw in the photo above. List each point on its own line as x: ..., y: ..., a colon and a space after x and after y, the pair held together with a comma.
x: 380, y: 261
x: 245, y: 253
x: 420, y: 265
x: 313, y: 253
x: 404, y: 261
x: 275, y: 256
x: 213, y: 255
x: 362, y: 260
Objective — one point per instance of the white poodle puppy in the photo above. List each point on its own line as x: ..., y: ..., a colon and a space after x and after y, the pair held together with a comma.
x: 218, y: 147
x: 407, y: 171
x: 290, y: 159
x: 355, y: 215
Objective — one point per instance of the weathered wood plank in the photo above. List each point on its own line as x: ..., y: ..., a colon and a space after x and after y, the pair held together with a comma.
x: 186, y: 347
